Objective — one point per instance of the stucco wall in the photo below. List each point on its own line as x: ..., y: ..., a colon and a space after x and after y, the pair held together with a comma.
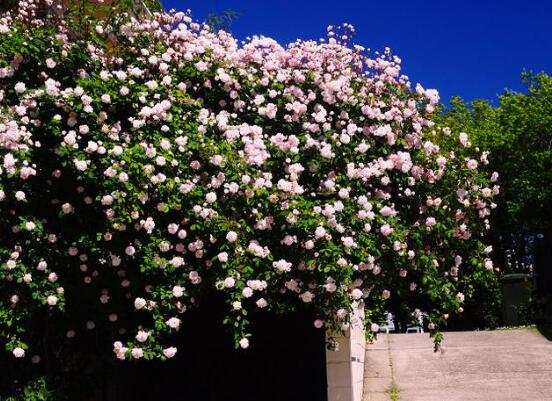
x: 345, y: 367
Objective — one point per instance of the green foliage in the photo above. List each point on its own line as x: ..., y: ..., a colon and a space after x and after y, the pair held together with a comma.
x: 518, y: 134
x: 36, y: 390
x: 526, y: 123
x: 437, y: 340
x: 526, y: 312
x: 222, y: 21
x: 83, y: 16
x: 394, y: 392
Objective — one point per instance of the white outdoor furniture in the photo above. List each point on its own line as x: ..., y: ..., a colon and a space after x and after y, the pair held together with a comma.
x: 389, y: 324
x: 415, y: 329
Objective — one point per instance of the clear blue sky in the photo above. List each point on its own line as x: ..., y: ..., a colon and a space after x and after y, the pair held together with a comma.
x: 469, y: 48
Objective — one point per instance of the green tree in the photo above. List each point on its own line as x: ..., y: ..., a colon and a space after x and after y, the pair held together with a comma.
x: 518, y: 134
x: 222, y: 21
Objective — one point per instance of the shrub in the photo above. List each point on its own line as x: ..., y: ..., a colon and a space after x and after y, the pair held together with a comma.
x: 154, y: 162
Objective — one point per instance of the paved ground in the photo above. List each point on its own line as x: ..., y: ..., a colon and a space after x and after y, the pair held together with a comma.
x: 511, y: 365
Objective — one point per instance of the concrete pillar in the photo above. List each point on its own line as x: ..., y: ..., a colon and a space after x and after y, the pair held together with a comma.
x: 345, y: 367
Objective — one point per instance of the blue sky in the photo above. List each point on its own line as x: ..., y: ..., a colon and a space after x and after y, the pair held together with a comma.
x: 472, y: 49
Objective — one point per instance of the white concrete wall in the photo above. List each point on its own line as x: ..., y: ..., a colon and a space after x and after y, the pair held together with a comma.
x: 345, y: 367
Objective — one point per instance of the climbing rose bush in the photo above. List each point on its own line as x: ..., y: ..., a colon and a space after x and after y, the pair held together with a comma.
x: 156, y: 162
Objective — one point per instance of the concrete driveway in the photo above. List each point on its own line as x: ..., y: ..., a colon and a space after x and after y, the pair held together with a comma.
x: 509, y: 365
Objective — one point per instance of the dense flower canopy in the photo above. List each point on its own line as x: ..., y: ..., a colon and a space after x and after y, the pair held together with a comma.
x: 157, y: 162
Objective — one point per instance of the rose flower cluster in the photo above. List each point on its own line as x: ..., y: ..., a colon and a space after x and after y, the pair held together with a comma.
x: 158, y: 162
